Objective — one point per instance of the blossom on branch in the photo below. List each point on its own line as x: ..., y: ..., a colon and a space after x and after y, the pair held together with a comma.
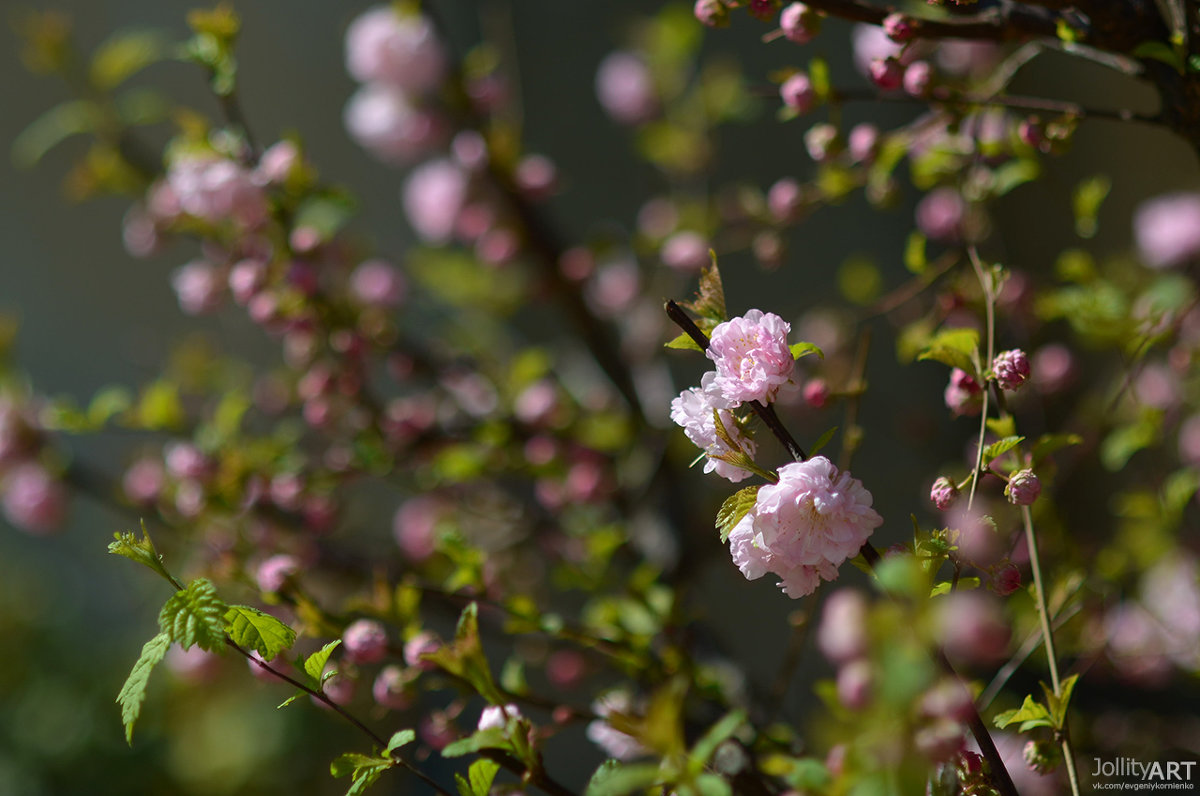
x: 752, y: 357
x: 803, y: 527
x: 696, y: 409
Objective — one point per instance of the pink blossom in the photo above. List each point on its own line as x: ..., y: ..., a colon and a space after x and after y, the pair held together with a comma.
x: 139, y: 232
x: 216, y: 190
x: 385, y: 122
x: 816, y: 393
x: 854, y: 683
x: 390, y: 689
x: 917, y: 78
x: 193, y: 665
x: 1053, y: 368
x: 536, y: 403
x: 943, y: 493
x: 887, y: 73
x: 1011, y: 369
x: 246, y: 278
x: 685, y: 251
x: 1167, y: 229
x: 752, y: 357
x: 33, y: 500
x: 377, y: 283
x: 971, y: 627
x: 422, y: 643
x: 657, y: 218
x: 143, y: 480
x: 963, y: 394
x: 613, y: 287
x: 898, y: 27
x: 863, y: 142
x: 365, y: 641
x: 185, y: 460
x: 712, y: 13
x: 625, y: 88
x: 821, y: 141
x: 799, y: 23
x: 414, y: 525
x: 798, y: 92
x: 616, y: 744
x: 495, y: 717
x: 277, y: 163
x: 198, y: 287
x: 1023, y: 488
x: 842, y: 634
x: 940, y: 215
x: 395, y: 48
x: 804, y: 526
x: 274, y: 572
x: 536, y: 176
x: 785, y: 199
x: 434, y: 195
x: 871, y: 43
x: 693, y: 410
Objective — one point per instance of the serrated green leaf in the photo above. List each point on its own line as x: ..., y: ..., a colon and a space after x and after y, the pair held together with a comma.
x: 257, y: 630
x: 491, y: 738
x: 683, y: 342
x: 140, y: 550
x: 618, y: 779
x: 195, y: 615
x: 1000, y: 447
x: 801, y: 350
x: 953, y: 347
x: 821, y: 442
x: 735, y: 507
x: 125, y: 54
x: 704, y: 748
x: 51, y: 129
x: 133, y: 692
x: 400, y: 738
x: 314, y: 665
x: 1086, y: 201
x: 362, y: 769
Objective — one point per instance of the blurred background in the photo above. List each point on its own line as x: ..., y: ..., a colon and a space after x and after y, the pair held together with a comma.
x: 73, y: 618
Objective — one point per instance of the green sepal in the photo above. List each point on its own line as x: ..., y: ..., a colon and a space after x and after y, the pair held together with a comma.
x: 133, y: 692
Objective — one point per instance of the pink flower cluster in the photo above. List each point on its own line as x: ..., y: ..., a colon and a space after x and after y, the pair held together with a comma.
x: 399, y: 60
x: 696, y: 409
x: 33, y: 499
x: 804, y: 526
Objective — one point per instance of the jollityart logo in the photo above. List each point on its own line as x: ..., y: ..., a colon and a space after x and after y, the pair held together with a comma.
x: 1128, y: 773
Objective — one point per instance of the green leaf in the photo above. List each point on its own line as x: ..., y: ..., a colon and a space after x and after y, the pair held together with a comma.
x: 684, y: 342
x: 141, y: 106
x: 140, y: 550
x: 712, y: 785
x: 362, y: 769
x: 1178, y: 489
x: 1160, y: 51
x: 704, y: 748
x: 159, y: 408
x: 125, y: 54
x: 481, y: 774
x: 1013, y: 174
x: 1124, y: 441
x: 491, y: 738
x: 1000, y: 447
x: 133, y: 692
x: 107, y: 403
x: 915, y: 259
x: 818, y: 75
x: 464, y: 657
x: 735, y: 507
x: 1086, y: 200
x: 1049, y: 443
x: 326, y: 213
x: 252, y: 628
x: 400, y: 738
x: 314, y: 665
x: 953, y: 347
x: 1002, y: 426
x: 964, y: 584
x: 821, y: 442
x: 801, y: 350
x: 1032, y: 714
x: 1063, y: 701
x: 195, y: 615
x: 51, y: 129
x: 618, y: 779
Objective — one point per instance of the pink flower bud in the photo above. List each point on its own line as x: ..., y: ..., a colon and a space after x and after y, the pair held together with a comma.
x: 1011, y: 369
x: 842, y: 634
x: 821, y: 141
x: 185, y: 460
x: 422, y: 643
x: 963, y: 394
x: 384, y: 121
x: 785, y: 200
x: 626, y: 89
x: 943, y: 493
x: 816, y: 393
x: 854, y: 684
x: 898, y: 27
x: 798, y: 92
x: 971, y: 627
x: 685, y: 251
x: 863, y: 142
x: 33, y: 500
x: 495, y: 717
x: 399, y: 49
x: 434, y: 195
x: 390, y: 689
x: 536, y: 176
x: 887, y: 73
x: 198, y: 287
x: 565, y: 668
x: 711, y: 13
x: 1023, y: 488
x: 799, y: 23
x: 246, y: 278
x: 143, y: 480
x: 273, y: 573
x: 377, y: 284
x: 763, y: 10
x: 365, y: 641
x: 1006, y: 580
x: 1167, y: 229
x: 918, y: 78
x: 277, y: 163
